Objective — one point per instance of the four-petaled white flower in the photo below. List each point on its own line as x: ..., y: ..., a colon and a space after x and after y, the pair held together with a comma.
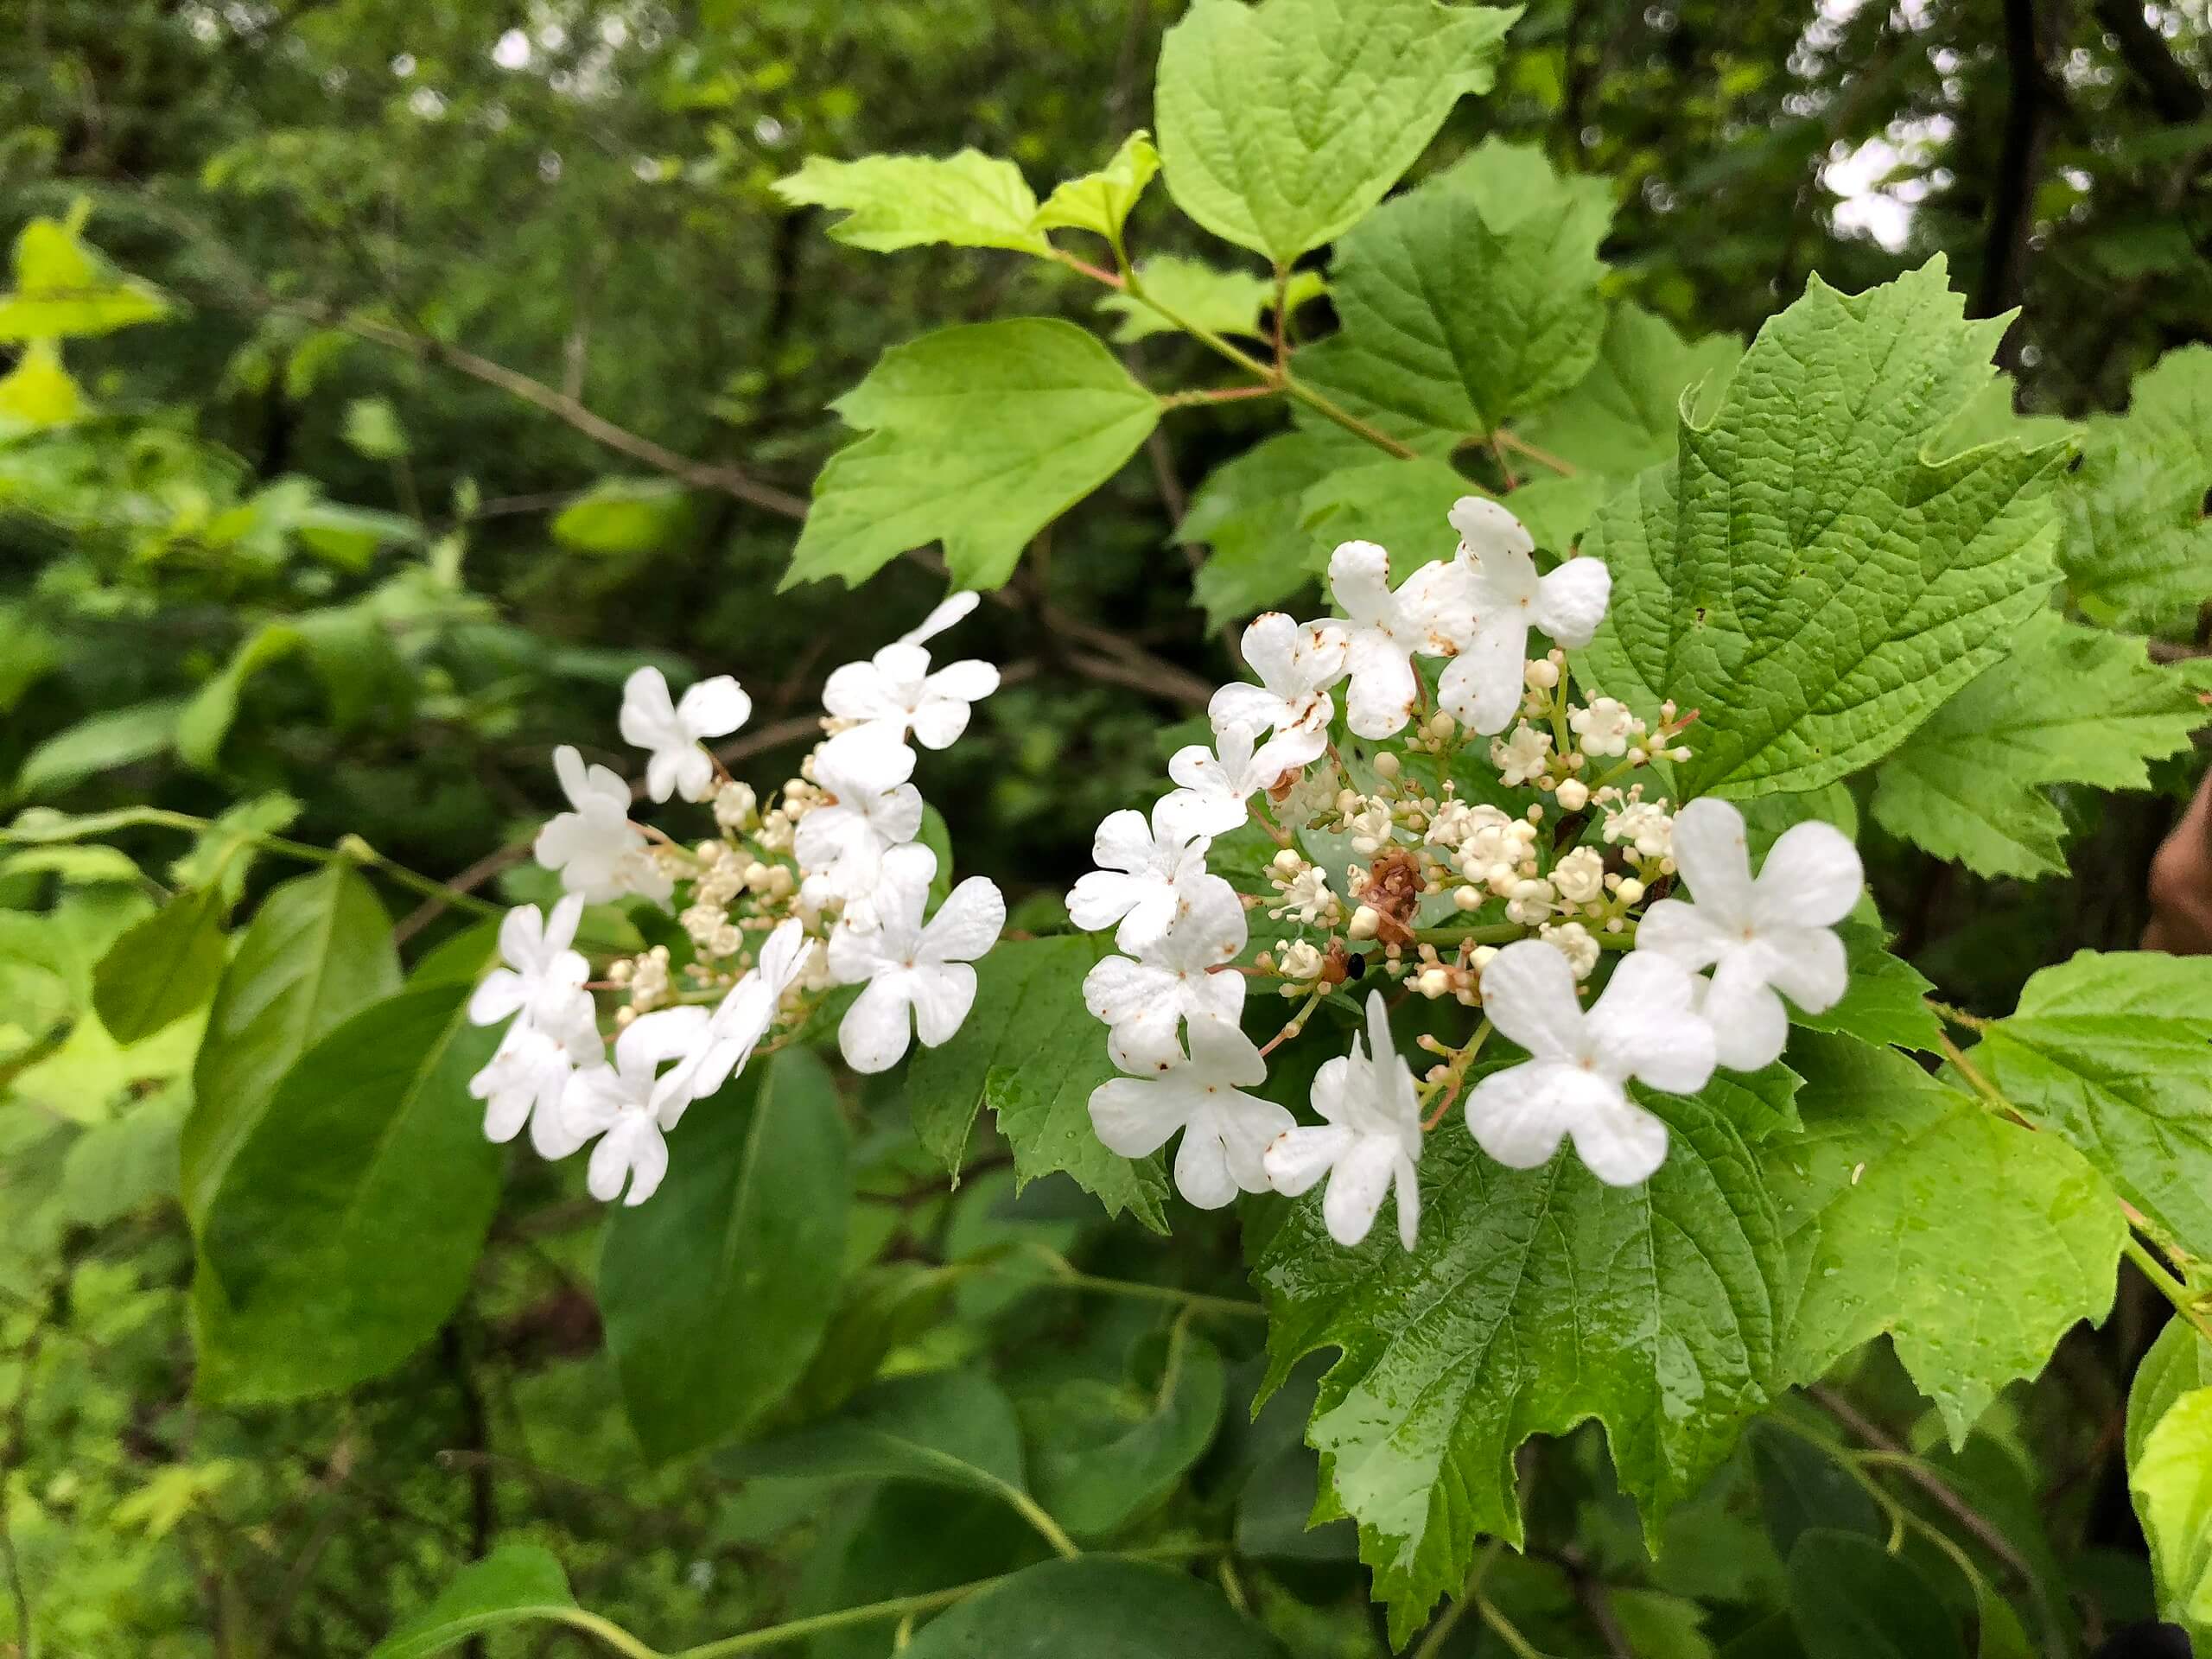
x: 599, y: 853
x: 718, y: 1051
x: 1774, y: 933
x: 1145, y: 1001
x: 671, y: 731
x: 524, y: 1080
x: 1368, y: 1143
x: 1215, y: 786
x: 1428, y: 615
x: 542, y: 977
x: 1148, y: 874
x: 1642, y: 1026
x: 614, y: 1103
x: 908, y: 964
x: 839, y: 844
x: 1225, y: 1131
x: 1521, y: 758
x: 894, y: 692
x: 1482, y: 685
x: 1297, y: 664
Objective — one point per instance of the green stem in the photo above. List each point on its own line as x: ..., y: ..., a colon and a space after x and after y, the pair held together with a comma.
x: 1959, y: 1016
x: 1431, y: 1645
x: 1066, y: 1274
x: 352, y: 851
x: 604, y: 1629
x: 1519, y: 1645
x: 1488, y: 934
x: 2167, y: 1284
x: 1047, y: 1528
x: 1321, y: 405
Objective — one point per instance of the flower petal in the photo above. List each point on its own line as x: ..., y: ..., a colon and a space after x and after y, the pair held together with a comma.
x: 857, y: 692
x: 967, y: 924
x: 1135, y: 1117
x: 942, y: 997
x: 1103, y: 897
x: 1297, y: 1158
x: 1221, y: 1052
x: 954, y: 608
x: 1485, y: 527
x: 1620, y: 1142
x: 1237, y: 704
x: 1381, y: 698
x: 714, y: 708
x: 1408, y: 1187
x: 1684, y: 934
x: 1359, y: 577
x: 1355, y: 1188
x: 499, y: 995
x: 1202, y: 1165
x: 1812, y: 877
x: 1713, y: 855
x: 1528, y: 991
x: 648, y: 718
x: 1481, y: 687
x: 1643, y: 1025
x: 1520, y: 1115
x: 1808, y: 965
x: 1749, y: 1027
x: 1247, y: 1125
x: 1571, y: 601
x: 876, y: 1031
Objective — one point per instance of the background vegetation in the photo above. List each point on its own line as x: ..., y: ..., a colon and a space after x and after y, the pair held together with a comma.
x: 486, y: 365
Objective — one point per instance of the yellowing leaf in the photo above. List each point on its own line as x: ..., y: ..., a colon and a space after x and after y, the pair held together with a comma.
x: 63, y: 290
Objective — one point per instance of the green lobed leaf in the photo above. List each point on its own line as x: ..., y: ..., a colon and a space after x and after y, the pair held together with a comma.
x: 2068, y: 705
x: 1808, y: 575
x: 1223, y: 301
x: 2112, y: 1051
x: 318, y: 949
x: 1886, y: 1003
x: 163, y: 969
x: 1974, y: 1293
x: 944, y: 1428
x: 1452, y: 1355
x: 966, y: 201
x: 977, y: 436
x: 1103, y: 1454
x: 2170, y: 1480
x: 1851, y: 1598
x: 1401, y: 505
x: 1247, y: 513
x: 1100, y: 201
x: 2137, y: 550
x: 2179, y: 1363
x: 514, y: 1584
x: 346, y: 1227
x: 717, y: 1290
x: 1097, y: 1607
x: 1467, y: 301
x: 1030, y: 1050
x: 1281, y: 125
x: 1623, y: 416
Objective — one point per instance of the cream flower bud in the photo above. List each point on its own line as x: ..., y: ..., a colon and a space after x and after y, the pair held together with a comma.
x: 1301, y: 960
x: 1541, y: 675
x: 1288, y: 861
x: 1573, y: 794
x: 1366, y: 922
x: 1629, y: 890
x: 1467, y: 898
x: 1572, y: 941
x: 1579, y: 876
x: 1432, y: 982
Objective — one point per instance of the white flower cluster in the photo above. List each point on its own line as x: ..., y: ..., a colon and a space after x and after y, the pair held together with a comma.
x: 826, y: 886
x: 1406, y: 875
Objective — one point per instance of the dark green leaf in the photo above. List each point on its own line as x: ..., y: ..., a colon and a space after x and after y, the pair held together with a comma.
x: 945, y: 1429
x: 1851, y: 1598
x: 514, y: 1584
x: 1103, y: 1454
x: 1094, y: 1608
x: 163, y: 969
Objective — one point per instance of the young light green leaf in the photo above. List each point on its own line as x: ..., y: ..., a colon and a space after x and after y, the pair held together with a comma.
x: 2179, y: 1363
x: 514, y: 1584
x: 1100, y: 201
x: 318, y: 949
x: 2137, y: 550
x: 1452, y: 1355
x: 1465, y: 302
x: 163, y: 969
x: 1032, y: 1052
x: 967, y: 201
x: 38, y: 393
x: 373, y: 430
x: 1808, y: 575
x: 1281, y: 125
x: 1973, y: 1294
x: 1222, y: 302
x: 63, y: 290
x: 717, y: 1292
x: 1247, y: 513
x: 208, y: 716
x: 101, y: 742
x: 2068, y: 705
x: 2113, y: 1051
x: 978, y: 437
x: 1098, y: 1607
x: 2170, y: 1480
x: 944, y: 1428
x: 623, y: 516
x: 347, y: 1223
x: 1624, y: 415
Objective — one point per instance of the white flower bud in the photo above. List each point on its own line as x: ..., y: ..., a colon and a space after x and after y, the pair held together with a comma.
x: 1467, y: 898
x: 1541, y: 674
x: 1579, y: 876
x: 1629, y: 890
x: 1366, y: 922
x: 1432, y: 982
x: 1573, y: 794
x: 1386, y: 765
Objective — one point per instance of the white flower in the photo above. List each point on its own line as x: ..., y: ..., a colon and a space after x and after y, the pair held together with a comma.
x: 1606, y: 728
x: 1225, y: 1131
x: 894, y: 693
x: 1572, y: 941
x: 1302, y: 960
x: 1306, y: 898
x: 1216, y: 784
x: 1644, y: 825
x: 1757, y: 936
x: 1574, y: 1082
x: 841, y: 844
x: 672, y: 731
x: 908, y: 964
x: 524, y: 1081
x: 599, y: 853
x: 1531, y: 900
x: 1482, y: 685
x: 718, y: 1052
x: 1310, y: 796
x: 1580, y: 875
x: 1371, y: 827
x: 1297, y: 665
x: 543, y: 975
x: 1369, y: 1142
x: 1521, y: 758
x: 1430, y: 614
x: 1147, y: 874
x: 1145, y: 1001
x: 614, y: 1103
